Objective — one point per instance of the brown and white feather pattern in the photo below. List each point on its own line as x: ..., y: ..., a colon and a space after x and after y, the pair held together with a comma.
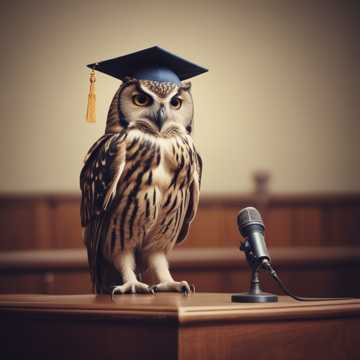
x: 160, y: 88
x: 149, y: 187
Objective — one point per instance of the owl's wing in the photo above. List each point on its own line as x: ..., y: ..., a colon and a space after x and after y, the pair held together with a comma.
x: 99, y: 177
x: 193, y: 201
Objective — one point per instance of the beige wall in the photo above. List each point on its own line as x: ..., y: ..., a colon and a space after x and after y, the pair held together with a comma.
x: 282, y: 93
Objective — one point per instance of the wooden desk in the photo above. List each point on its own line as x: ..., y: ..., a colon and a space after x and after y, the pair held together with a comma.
x: 172, y: 326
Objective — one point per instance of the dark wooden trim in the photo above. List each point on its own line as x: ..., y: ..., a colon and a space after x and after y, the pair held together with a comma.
x: 46, y: 197
x: 283, y: 200
x: 291, y: 199
x: 196, y: 259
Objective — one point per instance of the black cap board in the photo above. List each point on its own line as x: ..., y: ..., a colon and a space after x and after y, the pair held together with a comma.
x: 153, y: 63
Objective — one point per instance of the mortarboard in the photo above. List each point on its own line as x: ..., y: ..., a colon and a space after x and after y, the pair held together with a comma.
x: 153, y: 63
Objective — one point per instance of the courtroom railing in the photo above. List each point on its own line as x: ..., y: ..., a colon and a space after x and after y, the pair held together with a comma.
x: 314, y: 271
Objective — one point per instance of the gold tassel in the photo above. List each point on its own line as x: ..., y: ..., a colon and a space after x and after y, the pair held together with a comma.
x: 91, y: 107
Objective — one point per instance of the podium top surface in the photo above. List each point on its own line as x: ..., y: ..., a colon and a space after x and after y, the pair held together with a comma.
x: 199, y: 307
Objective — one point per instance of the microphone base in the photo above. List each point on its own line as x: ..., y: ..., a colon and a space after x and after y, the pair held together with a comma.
x: 261, y: 297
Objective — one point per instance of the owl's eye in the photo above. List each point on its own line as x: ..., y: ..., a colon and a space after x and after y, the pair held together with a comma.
x: 141, y: 99
x: 175, y: 103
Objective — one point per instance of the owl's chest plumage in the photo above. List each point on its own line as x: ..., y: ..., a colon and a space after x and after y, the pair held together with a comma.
x: 153, y: 190
x: 175, y: 165
x: 167, y: 161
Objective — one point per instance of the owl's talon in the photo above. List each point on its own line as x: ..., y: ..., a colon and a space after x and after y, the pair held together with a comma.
x: 185, y: 290
x: 174, y: 286
x: 132, y: 287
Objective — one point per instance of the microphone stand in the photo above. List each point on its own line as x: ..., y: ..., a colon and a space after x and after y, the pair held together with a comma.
x: 255, y: 294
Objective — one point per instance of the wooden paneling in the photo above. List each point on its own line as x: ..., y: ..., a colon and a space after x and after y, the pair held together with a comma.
x: 207, y: 228
x: 279, y: 226
x: 42, y: 225
x: 231, y: 236
x: 343, y: 222
x: 280, y: 340
x: 310, y: 271
x: 46, y: 282
x: 33, y: 282
x: 306, y: 227
x: 66, y: 225
x: 53, y: 221
x: 75, y: 282
x: 24, y: 223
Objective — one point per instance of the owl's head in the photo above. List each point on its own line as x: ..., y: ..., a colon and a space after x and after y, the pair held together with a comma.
x: 151, y: 106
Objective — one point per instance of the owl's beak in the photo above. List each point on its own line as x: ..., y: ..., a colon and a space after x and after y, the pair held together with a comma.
x: 160, y: 116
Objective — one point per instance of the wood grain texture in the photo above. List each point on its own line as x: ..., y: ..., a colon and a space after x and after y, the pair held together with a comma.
x: 29, y: 336
x: 18, y: 225
x: 53, y: 221
x: 207, y: 228
x: 173, y: 326
x: 176, y: 308
x: 307, y: 226
x: 321, y: 340
x: 343, y: 225
x: 279, y: 226
x: 66, y: 226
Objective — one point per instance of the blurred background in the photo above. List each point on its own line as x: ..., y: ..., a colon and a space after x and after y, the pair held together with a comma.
x: 276, y: 122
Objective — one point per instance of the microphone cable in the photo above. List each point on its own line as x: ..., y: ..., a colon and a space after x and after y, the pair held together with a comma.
x: 276, y: 277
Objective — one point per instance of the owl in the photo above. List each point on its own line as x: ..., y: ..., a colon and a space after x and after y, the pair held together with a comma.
x: 140, y: 187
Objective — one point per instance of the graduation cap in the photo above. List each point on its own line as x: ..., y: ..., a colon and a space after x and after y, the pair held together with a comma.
x: 153, y: 63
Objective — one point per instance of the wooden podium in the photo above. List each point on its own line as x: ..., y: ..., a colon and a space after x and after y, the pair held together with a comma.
x: 172, y: 326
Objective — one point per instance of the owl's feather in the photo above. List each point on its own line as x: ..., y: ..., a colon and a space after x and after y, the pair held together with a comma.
x: 101, y: 172
x: 193, y: 203
x: 99, y: 177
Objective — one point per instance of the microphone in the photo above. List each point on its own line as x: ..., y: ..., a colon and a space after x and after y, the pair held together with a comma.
x: 251, y: 227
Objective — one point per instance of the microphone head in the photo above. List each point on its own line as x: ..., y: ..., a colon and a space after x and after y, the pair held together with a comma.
x: 249, y: 216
